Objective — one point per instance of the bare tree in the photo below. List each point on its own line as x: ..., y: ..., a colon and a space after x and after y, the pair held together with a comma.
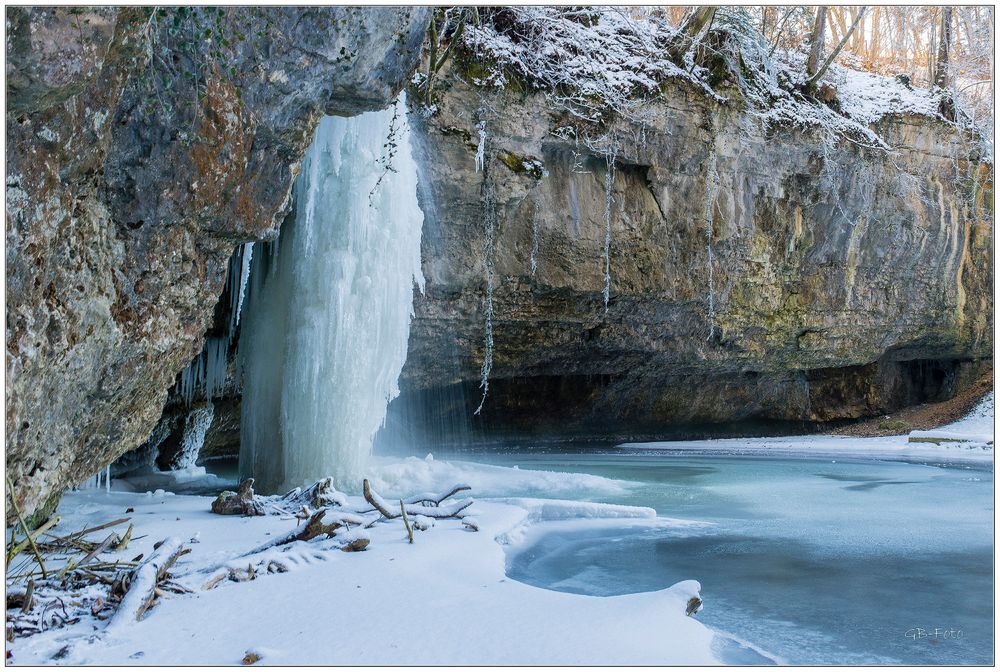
x: 817, y: 39
x: 694, y: 23
x: 944, y: 49
x: 811, y: 84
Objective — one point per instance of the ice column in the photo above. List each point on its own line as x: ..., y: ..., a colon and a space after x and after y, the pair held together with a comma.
x: 326, y: 318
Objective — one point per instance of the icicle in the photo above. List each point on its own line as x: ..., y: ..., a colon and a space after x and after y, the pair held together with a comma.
x: 609, y: 182
x: 326, y: 324
x: 534, y: 243
x: 712, y: 183
x: 244, y: 278
x: 489, y: 262
x: 93, y: 482
x: 481, y: 147
x: 216, y: 363
x: 195, y: 427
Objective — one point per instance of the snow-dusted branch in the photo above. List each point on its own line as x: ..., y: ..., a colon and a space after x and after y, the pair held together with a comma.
x: 439, y: 510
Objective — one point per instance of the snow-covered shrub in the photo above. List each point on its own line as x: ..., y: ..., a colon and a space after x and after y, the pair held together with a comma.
x: 590, y: 59
x: 594, y: 61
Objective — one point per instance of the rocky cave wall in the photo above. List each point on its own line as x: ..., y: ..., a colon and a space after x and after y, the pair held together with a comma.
x: 142, y: 147
x: 845, y: 281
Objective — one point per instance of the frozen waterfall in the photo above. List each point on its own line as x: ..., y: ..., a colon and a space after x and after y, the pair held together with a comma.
x: 327, y: 313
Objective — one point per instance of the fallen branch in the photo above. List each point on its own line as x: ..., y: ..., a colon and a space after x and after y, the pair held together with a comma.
x: 450, y: 511
x: 123, y: 543
x: 324, y: 521
x: 140, y: 596
x: 77, y: 535
x: 319, y: 495
x: 31, y: 538
x: 429, y: 498
x: 375, y: 500
x: 100, y: 548
x: 214, y: 581
x: 28, y: 594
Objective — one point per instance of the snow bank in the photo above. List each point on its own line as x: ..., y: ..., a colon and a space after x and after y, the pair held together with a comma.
x: 450, y: 577
x: 395, y: 478
x: 977, y: 424
x: 592, y: 56
x: 553, y: 516
x: 555, y: 509
x: 969, y: 440
x: 866, y: 97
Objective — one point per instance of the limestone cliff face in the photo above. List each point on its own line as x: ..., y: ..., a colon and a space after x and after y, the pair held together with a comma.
x: 142, y: 147
x: 841, y: 282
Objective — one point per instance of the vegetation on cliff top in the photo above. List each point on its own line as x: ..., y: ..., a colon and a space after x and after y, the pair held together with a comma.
x: 593, y: 62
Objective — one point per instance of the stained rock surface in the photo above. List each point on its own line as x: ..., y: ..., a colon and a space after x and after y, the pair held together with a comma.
x: 772, y: 274
x: 143, y: 146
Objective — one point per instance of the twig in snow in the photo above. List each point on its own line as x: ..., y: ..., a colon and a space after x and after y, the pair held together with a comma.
x: 430, y: 498
x: 24, y: 526
x: 406, y: 521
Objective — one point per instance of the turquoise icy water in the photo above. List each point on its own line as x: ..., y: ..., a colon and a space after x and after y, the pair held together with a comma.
x: 811, y: 561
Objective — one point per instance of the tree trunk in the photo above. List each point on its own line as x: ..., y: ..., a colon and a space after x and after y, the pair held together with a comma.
x: 931, y: 48
x: 814, y: 80
x: 944, y: 47
x: 816, y: 41
x: 693, y: 24
x: 875, y: 45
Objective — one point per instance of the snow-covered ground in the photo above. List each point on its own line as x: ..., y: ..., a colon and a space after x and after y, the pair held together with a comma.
x: 967, y: 440
x: 975, y: 428
x: 443, y: 600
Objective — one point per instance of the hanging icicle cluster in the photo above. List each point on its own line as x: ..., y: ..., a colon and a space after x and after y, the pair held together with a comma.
x: 101, y: 479
x: 238, y: 288
x: 205, y: 376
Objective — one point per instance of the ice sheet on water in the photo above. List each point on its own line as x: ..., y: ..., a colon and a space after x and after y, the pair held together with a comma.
x: 878, y: 543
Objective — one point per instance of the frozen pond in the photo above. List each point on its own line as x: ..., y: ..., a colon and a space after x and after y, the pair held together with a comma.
x: 813, y: 561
